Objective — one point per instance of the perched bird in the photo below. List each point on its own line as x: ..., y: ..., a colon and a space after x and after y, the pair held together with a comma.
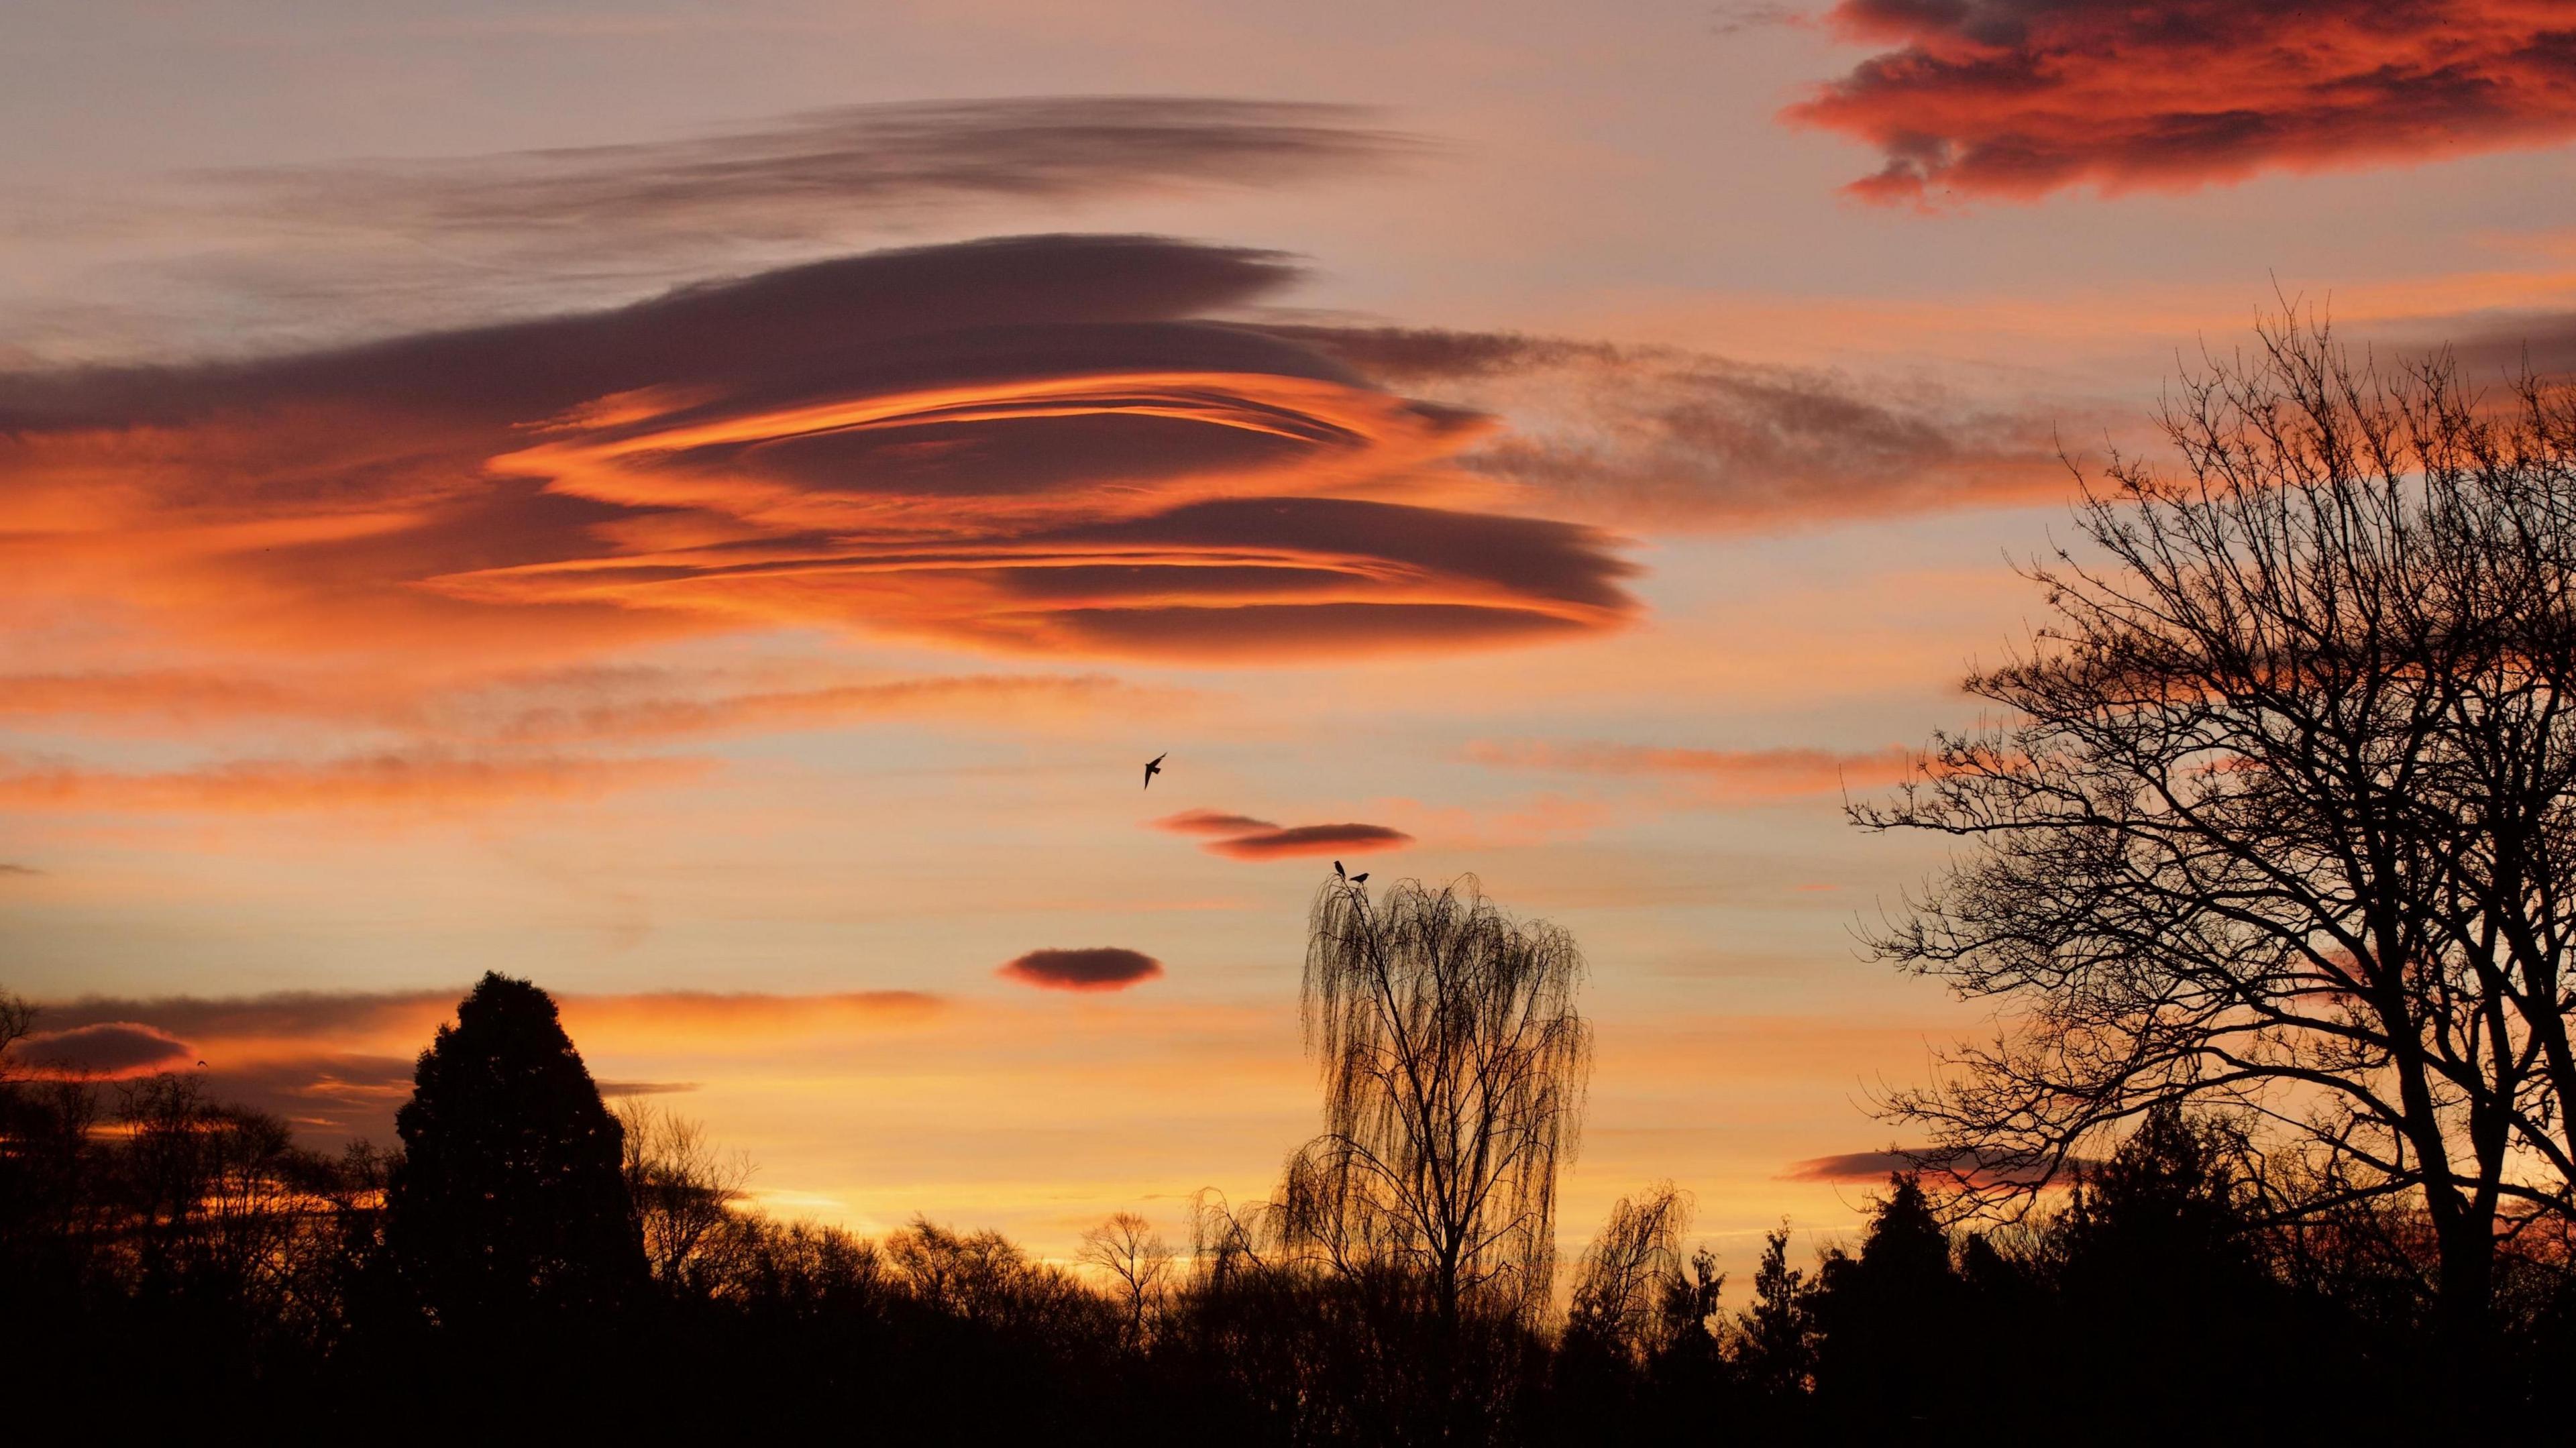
x: 1360, y: 879
x: 1337, y: 871
x: 1154, y: 766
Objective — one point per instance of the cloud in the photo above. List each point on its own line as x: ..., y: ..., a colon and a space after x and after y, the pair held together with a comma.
x: 1311, y: 840
x: 2017, y: 98
x: 108, y: 1048
x: 1667, y: 438
x: 337, y: 1064
x: 7, y: 869
x: 380, y: 781
x: 1738, y: 773
x: 645, y: 1088
x: 1877, y: 1166
x: 1031, y: 445
x: 1100, y: 968
x: 1244, y: 837
x: 1211, y: 822
x: 411, y: 240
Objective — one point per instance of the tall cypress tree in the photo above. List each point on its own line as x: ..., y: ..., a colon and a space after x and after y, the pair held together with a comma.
x: 509, y: 1207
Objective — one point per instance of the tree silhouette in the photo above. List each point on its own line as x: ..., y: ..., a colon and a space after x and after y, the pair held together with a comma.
x: 509, y: 1205
x: 2278, y: 816
x: 1454, y: 1065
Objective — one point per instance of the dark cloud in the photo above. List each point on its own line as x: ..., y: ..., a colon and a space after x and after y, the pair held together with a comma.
x: 7, y: 869
x: 1662, y: 437
x: 285, y: 1015
x: 406, y: 240
x: 1311, y: 840
x: 1876, y: 1166
x: 1100, y: 968
x: 645, y: 1088
x: 2016, y: 98
x: 2492, y: 347
x: 107, y: 1048
x: 1033, y: 444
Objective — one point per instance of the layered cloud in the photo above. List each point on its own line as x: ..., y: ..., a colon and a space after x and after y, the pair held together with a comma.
x: 1028, y: 445
x: 1096, y: 968
x: 1243, y: 837
x: 1659, y: 437
x: 2016, y: 98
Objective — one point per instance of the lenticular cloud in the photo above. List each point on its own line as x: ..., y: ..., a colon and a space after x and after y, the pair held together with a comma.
x: 1027, y: 445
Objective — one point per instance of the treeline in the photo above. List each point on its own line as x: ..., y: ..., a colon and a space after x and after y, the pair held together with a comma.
x: 530, y: 1259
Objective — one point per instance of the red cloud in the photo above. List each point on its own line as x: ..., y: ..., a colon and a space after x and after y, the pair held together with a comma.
x: 1312, y: 840
x: 2016, y: 98
x: 1212, y: 822
x: 1099, y: 968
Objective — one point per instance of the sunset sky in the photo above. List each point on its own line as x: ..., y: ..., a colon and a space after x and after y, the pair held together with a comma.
x: 711, y: 506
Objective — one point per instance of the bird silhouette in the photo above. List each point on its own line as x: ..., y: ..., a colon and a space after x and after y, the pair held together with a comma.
x: 1360, y: 879
x: 1154, y: 766
x: 1337, y: 871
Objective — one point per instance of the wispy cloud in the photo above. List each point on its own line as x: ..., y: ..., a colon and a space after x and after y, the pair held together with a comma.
x: 415, y: 780
x: 1666, y: 438
x: 1732, y: 773
x: 107, y: 1049
x: 462, y: 238
x: 2017, y: 98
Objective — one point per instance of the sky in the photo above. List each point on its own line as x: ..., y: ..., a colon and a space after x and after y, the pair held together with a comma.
x: 710, y: 508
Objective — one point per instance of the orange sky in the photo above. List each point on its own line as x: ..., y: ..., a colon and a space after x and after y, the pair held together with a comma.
x: 711, y: 508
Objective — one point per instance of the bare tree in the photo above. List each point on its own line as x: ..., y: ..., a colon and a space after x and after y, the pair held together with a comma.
x: 684, y: 1189
x: 1137, y: 1262
x: 2279, y: 816
x: 1628, y: 1287
x: 1454, y: 1067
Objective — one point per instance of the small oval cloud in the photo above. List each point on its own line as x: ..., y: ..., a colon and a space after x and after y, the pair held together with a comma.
x: 1102, y: 967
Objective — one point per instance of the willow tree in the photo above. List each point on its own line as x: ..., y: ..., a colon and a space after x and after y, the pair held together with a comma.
x: 1454, y: 1066
x: 2277, y: 815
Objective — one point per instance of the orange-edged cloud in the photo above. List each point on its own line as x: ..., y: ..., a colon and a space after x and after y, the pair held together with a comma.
x: 1094, y: 968
x: 1027, y: 445
x: 106, y: 1049
x: 416, y: 779
x: 2016, y: 98
x: 1212, y: 822
x: 1740, y: 773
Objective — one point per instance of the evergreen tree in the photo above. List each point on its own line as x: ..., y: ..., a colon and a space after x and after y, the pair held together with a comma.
x: 509, y: 1207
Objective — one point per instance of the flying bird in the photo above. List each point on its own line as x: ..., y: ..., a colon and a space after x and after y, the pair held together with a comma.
x: 1154, y: 766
